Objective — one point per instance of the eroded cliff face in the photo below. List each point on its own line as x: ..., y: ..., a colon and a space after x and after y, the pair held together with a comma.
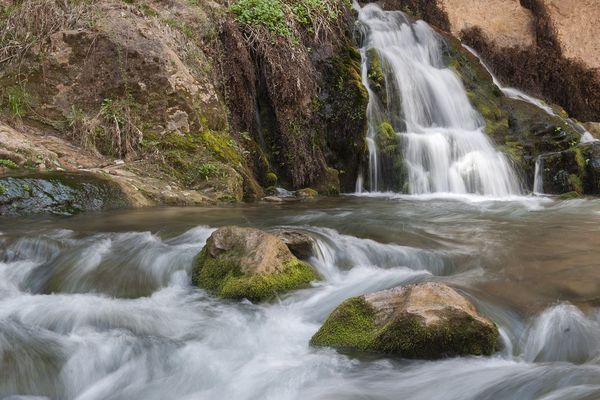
x: 546, y: 47
x: 183, y: 102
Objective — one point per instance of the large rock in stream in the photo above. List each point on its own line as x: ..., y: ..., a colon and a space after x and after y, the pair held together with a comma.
x: 247, y: 263
x: 426, y: 320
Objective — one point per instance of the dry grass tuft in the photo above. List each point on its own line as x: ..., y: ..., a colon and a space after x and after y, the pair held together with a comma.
x: 30, y: 23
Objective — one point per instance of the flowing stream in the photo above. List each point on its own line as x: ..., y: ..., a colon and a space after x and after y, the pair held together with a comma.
x: 445, y: 148
x: 100, y: 306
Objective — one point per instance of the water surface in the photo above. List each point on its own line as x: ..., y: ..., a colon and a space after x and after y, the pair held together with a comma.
x: 100, y: 306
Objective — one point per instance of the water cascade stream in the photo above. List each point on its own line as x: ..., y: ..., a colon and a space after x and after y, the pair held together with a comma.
x: 444, y: 147
x: 538, y: 176
x: 91, y: 314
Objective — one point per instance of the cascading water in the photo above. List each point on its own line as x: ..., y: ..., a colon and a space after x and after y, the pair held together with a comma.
x: 516, y: 94
x: 444, y: 146
x: 538, y: 177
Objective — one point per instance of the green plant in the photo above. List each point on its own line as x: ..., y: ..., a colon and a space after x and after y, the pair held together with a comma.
x: 207, y: 170
x: 8, y: 163
x: 121, y: 135
x: 2, y: 189
x: 268, y: 13
x: 16, y: 101
x: 309, y: 12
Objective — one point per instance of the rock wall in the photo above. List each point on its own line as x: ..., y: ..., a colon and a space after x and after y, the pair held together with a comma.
x: 546, y: 47
x: 182, y: 101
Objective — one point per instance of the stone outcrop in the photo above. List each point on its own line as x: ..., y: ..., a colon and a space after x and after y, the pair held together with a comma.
x: 300, y: 243
x: 427, y: 320
x: 59, y: 194
x: 247, y: 263
x: 572, y: 172
x: 182, y: 97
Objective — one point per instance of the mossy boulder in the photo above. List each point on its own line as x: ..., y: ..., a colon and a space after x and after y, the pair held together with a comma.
x: 307, y: 193
x: 247, y: 263
x: 427, y: 321
x: 328, y: 183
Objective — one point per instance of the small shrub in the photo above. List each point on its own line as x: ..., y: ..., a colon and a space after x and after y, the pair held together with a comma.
x: 207, y: 170
x: 268, y: 13
x: 16, y: 101
x: 120, y: 135
x: 8, y: 163
x: 309, y: 13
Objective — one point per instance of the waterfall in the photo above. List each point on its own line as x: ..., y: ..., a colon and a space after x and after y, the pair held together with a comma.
x: 441, y: 142
x: 538, y: 180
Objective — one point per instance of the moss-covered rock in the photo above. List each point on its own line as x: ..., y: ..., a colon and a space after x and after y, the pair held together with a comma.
x: 343, y: 104
x: 247, y: 263
x: 307, y: 193
x: 328, y: 183
x: 391, y: 156
x: 572, y: 171
x: 376, y: 75
x: 521, y: 130
x: 428, y: 320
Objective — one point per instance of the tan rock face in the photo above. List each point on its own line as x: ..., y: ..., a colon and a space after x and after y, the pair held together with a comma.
x: 577, y: 24
x: 433, y: 302
x: 299, y: 243
x: 504, y: 20
x: 259, y: 252
x: 509, y: 24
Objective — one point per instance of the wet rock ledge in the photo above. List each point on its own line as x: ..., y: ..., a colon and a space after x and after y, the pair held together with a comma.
x: 247, y: 263
x: 58, y: 193
x: 427, y: 320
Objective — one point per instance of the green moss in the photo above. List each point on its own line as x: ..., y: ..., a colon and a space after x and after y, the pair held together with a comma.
x: 2, y: 189
x: 570, y: 195
x: 222, y: 276
x: 268, y: 13
x: 307, y: 192
x: 391, y: 158
x: 575, y: 183
x: 409, y: 337
x: 271, y: 179
x: 579, y: 158
x: 8, y: 163
x: 350, y: 326
x: 222, y: 146
x: 376, y: 75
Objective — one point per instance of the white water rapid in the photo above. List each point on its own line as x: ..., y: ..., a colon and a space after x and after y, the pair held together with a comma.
x: 101, y: 308
x: 445, y: 148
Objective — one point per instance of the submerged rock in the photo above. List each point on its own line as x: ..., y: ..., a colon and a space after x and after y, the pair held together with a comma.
x: 249, y: 263
x: 427, y: 320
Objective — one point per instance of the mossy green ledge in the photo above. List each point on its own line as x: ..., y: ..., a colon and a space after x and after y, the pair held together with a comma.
x: 427, y: 321
x: 247, y: 263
